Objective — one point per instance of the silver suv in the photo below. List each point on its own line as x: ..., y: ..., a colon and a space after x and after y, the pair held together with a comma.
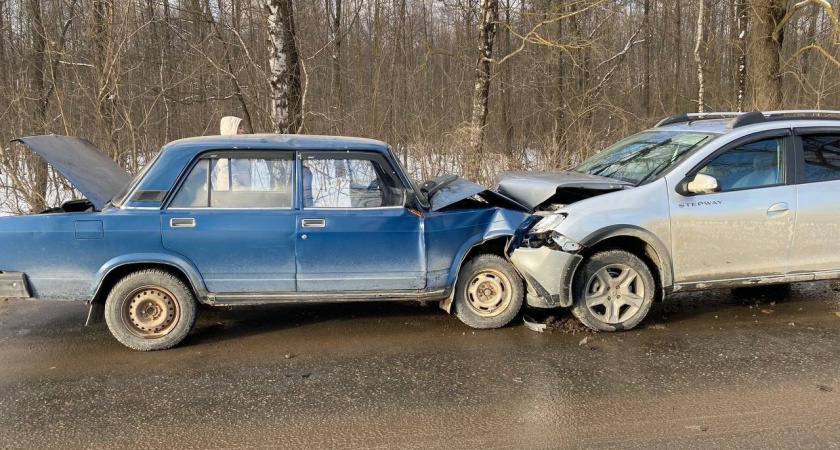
x: 700, y: 201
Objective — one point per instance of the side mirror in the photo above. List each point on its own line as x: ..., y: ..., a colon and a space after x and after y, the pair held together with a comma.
x: 702, y: 184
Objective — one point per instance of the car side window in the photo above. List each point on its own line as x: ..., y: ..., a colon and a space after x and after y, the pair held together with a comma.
x: 822, y: 157
x: 753, y: 165
x: 347, y: 182
x: 238, y: 183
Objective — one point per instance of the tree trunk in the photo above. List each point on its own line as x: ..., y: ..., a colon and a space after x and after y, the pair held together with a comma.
x: 678, y: 54
x: 284, y: 65
x: 481, y: 92
x: 334, y: 16
x: 40, y: 174
x: 698, y: 55
x: 763, y: 55
x: 648, y: 47
x: 743, y: 15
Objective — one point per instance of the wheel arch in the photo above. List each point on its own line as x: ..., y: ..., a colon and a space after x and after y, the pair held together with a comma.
x: 493, y: 244
x: 116, y: 269
x: 641, y: 243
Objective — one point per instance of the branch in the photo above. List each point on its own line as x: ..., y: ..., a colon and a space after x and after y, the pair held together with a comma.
x: 826, y: 6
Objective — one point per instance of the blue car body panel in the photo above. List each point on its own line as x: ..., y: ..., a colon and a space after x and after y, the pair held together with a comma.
x: 250, y: 251
x: 361, y: 250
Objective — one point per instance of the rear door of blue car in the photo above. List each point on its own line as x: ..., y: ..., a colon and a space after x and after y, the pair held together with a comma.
x: 353, y: 232
x: 234, y: 217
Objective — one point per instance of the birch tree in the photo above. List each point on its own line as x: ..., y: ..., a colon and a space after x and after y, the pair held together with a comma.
x: 284, y: 67
x: 698, y: 56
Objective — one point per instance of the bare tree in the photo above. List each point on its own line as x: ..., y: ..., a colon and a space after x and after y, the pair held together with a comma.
x: 481, y: 92
x: 742, y: 17
x: 698, y: 56
x: 764, y: 46
x: 284, y: 63
x: 567, y: 77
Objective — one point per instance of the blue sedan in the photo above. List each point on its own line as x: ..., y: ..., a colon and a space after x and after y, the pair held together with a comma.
x: 258, y: 219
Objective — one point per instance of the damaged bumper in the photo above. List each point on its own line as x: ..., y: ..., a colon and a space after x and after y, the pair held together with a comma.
x: 14, y: 285
x: 546, y: 259
x: 548, y: 274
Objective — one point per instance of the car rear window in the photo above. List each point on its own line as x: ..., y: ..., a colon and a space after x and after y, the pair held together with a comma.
x: 822, y: 157
x: 238, y: 183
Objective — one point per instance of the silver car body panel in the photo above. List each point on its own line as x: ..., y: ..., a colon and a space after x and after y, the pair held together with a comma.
x: 535, y: 188
x: 775, y: 234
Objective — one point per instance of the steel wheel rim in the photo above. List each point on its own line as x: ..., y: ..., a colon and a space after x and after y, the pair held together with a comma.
x: 489, y: 293
x: 615, y: 293
x: 150, y: 312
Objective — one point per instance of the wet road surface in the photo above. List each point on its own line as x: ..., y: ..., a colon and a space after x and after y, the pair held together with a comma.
x: 705, y: 370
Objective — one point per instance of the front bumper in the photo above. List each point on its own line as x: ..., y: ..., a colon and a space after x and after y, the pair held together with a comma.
x: 548, y: 273
x: 14, y: 285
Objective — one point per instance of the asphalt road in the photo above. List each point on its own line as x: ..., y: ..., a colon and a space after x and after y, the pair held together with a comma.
x: 709, y: 370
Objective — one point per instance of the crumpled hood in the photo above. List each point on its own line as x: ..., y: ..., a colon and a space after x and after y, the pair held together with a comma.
x: 86, y: 167
x: 460, y: 189
x: 532, y: 189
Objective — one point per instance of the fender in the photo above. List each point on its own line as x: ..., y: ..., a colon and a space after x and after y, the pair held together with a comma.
x: 176, y: 261
x: 474, y: 242
x: 666, y: 268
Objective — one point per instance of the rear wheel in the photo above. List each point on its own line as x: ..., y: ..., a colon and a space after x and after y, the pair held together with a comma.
x: 489, y: 292
x: 150, y: 310
x: 613, y: 290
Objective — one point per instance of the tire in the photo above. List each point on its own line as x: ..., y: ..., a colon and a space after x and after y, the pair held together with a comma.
x: 504, y: 292
x: 150, y: 310
x: 601, y: 282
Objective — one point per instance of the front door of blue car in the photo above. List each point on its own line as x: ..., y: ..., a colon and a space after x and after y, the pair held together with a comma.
x: 354, y: 234
x: 233, y: 217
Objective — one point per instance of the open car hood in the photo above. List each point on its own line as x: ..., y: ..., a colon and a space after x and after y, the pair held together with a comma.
x: 86, y: 167
x: 535, y: 189
x: 454, y: 191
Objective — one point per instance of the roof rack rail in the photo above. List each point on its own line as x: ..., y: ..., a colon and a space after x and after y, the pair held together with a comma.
x: 680, y: 118
x: 740, y: 119
x: 810, y: 112
x: 765, y: 116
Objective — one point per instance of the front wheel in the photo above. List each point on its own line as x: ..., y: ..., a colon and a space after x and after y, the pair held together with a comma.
x: 150, y: 310
x: 489, y: 292
x: 613, y: 290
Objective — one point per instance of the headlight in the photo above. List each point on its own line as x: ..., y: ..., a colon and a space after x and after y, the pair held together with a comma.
x: 548, y: 223
x: 566, y: 244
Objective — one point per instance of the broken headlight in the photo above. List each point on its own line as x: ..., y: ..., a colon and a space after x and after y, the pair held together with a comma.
x: 541, y: 233
x: 547, y: 223
x: 566, y: 244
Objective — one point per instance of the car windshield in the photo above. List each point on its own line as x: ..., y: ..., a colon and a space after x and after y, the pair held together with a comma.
x: 644, y: 156
x: 120, y: 198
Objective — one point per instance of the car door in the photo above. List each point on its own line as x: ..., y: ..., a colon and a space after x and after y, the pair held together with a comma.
x: 816, y: 247
x: 233, y: 217
x: 354, y: 234
x: 744, y: 229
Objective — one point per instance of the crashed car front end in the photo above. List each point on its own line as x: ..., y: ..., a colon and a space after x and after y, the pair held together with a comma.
x: 546, y: 259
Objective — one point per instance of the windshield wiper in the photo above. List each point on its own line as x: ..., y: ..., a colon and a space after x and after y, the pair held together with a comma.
x: 632, y: 156
x: 665, y: 164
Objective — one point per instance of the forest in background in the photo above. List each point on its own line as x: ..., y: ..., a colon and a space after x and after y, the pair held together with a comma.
x: 470, y: 86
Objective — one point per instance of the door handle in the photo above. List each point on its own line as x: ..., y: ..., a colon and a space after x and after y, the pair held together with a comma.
x: 776, y: 209
x: 313, y: 223
x: 182, y: 222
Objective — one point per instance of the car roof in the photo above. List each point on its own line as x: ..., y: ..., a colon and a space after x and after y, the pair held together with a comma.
x: 275, y: 142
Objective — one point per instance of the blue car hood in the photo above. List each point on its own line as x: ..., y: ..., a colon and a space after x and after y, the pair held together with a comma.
x: 86, y: 167
x: 462, y: 189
